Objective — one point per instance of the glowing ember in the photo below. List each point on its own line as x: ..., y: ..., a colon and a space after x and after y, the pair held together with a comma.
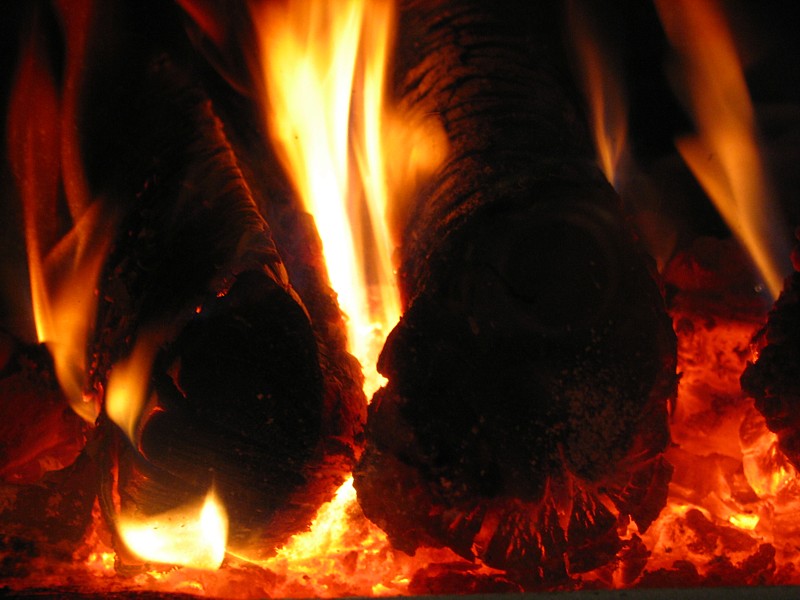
x: 744, y: 521
x: 767, y: 469
x: 725, y: 156
x: 327, y: 530
x: 192, y: 536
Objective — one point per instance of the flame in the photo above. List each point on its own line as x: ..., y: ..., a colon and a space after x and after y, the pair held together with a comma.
x: 353, y: 157
x: 324, y: 68
x: 128, y: 385
x: 327, y: 529
x: 724, y: 156
x: 190, y: 536
x: 604, y: 90
x: 63, y: 270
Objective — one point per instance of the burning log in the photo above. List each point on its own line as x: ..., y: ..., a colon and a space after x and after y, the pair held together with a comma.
x: 525, y: 416
x: 772, y: 379
x: 240, y: 391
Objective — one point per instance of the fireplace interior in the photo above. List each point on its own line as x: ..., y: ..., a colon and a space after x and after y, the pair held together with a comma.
x: 370, y: 298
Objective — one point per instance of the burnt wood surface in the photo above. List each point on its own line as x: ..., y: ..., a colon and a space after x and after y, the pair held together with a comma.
x: 526, y: 410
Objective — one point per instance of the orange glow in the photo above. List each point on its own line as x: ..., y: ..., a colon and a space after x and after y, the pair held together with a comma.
x: 63, y: 270
x: 355, y: 160
x: 191, y: 536
x: 324, y: 68
x: 327, y: 530
x: 128, y: 385
x: 732, y: 489
x: 767, y: 469
x: 744, y: 521
x: 724, y: 156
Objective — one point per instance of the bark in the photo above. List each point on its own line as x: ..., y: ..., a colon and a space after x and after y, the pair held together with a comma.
x: 526, y: 411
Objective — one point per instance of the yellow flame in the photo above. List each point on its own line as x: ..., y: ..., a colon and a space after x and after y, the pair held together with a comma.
x: 725, y: 156
x: 327, y: 530
x: 324, y: 67
x: 190, y: 536
x: 65, y: 303
x: 128, y: 385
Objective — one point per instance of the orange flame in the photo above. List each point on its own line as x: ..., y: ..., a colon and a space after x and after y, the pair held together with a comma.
x: 604, y: 90
x: 352, y: 158
x: 327, y: 530
x: 724, y: 156
x: 63, y: 271
x: 128, y: 385
x: 190, y: 536
x: 324, y: 67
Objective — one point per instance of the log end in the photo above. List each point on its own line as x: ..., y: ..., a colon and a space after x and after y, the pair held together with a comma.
x: 526, y: 413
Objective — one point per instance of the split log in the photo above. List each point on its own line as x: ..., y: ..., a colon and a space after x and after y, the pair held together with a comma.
x: 772, y: 380
x: 525, y: 414
x: 243, y: 394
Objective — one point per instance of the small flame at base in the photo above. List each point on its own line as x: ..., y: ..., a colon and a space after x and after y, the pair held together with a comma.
x: 191, y: 536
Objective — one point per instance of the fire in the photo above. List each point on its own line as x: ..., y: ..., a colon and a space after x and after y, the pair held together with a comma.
x: 732, y: 488
x: 765, y: 466
x: 340, y: 139
x: 324, y: 68
x: 604, y: 90
x: 327, y: 530
x: 191, y: 536
x: 128, y: 386
x: 599, y: 73
x: 352, y: 157
x: 63, y: 270
x: 724, y: 156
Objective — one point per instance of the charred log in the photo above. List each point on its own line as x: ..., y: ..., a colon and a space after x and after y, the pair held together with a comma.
x: 242, y: 393
x: 772, y: 379
x: 526, y: 411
